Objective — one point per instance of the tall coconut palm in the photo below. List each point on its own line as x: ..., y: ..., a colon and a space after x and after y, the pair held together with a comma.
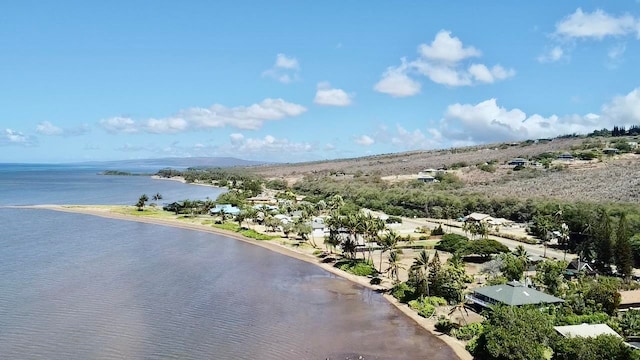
x: 421, y: 266
x: 387, y: 242
x: 394, y: 265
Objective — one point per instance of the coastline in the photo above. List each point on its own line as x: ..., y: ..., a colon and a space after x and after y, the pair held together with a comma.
x: 106, y: 212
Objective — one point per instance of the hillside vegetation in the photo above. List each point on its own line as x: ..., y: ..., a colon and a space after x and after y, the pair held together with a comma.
x: 592, y: 176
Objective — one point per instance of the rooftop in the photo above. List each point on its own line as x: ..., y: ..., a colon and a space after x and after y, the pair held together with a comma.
x: 585, y: 330
x: 515, y: 294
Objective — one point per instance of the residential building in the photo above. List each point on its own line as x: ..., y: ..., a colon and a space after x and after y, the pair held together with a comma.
x: 512, y: 293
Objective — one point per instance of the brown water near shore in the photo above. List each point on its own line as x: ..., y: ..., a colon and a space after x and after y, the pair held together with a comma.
x: 107, y: 289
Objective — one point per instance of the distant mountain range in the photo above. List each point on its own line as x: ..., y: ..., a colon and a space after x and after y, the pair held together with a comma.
x: 158, y: 164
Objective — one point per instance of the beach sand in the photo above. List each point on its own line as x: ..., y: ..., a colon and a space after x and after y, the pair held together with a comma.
x: 109, y: 212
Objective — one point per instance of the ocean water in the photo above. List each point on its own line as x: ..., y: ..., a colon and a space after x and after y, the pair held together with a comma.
x: 82, y: 287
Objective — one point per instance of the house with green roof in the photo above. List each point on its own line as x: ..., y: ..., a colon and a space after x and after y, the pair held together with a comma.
x: 512, y: 293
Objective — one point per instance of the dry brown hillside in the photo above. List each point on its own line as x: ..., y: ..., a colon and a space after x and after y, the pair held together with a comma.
x: 610, y: 178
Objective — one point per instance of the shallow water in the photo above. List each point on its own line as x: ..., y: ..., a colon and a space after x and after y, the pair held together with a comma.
x: 82, y: 287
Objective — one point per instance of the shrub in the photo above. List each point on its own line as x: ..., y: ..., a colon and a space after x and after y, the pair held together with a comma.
x: 444, y: 325
x: 424, y: 310
x: 487, y: 168
x: 468, y: 332
x: 357, y: 267
x: 394, y: 220
x: 403, y: 292
x: 438, y: 231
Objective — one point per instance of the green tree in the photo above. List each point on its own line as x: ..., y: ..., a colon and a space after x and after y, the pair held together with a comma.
x: 550, y: 274
x: 394, y: 265
x: 387, y: 242
x: 512, y: 266
x: 421, y: 267
x: 142, y: 201
x: 602, y: 240
x: 156, y: 197
x: 515, y: 333
x: 608, y: 347
x: 623, y: 254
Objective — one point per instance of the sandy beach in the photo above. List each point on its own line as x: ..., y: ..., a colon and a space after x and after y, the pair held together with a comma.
x: 108, y: 212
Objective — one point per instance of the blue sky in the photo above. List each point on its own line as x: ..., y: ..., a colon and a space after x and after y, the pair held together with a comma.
x: 299, y: 80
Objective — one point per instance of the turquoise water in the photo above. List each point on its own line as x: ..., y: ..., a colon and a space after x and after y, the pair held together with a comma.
x: 81, y: 287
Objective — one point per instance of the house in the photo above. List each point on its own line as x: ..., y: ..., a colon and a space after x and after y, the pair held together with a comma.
x: 512, y: 293
x: 427, y: 179
x: 477, y: 217
x: 224, y: 209
x: 585, y: 330
x: 565, y: 156
x: 261, y: 199
x: 629, y: 300
x: 517, y: 162
x: 576, y: 266
x: 610, y: 151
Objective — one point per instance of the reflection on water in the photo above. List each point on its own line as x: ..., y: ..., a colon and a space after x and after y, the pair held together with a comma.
x: 82, y: 287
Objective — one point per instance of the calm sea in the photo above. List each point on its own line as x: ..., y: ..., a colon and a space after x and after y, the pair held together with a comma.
x: 81, y: 287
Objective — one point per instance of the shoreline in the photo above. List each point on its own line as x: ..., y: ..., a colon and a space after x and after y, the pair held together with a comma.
x: 106, y: 212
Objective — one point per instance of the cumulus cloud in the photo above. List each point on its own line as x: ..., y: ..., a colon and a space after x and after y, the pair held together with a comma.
x: 487, y: 121
x: 49, y: 129
x: 286, y: 69
x: 597, y: 25
x: 553, y: 55
x: 250, y: 117
x: 12, y: 137
x: 364, y: 140
x: 396, y: 82
x: 268, y: 144
x: 326, y: 95
x: 119, y: 124
x: 447, y: 49
x: 444, y: 61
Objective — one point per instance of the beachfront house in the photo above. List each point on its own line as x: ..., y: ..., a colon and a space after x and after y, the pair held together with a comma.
x: 512, y: 293
x: 224, y: 209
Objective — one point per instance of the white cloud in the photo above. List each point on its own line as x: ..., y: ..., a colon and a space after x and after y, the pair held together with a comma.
x: 286, y: 69
x: 623, y: 110
x: 285, y: 62
x: 616, y: 51
x: 397, y: 83
x: 325, y: 95
x: 488, y: 122
x: 364, y: 140
x: 250, y: 117
x: 448, y: 49
x: 13, y: 137
x: 268, y: 144
x: 165, y: 126
x: 596, y: 25
x: 119, y: 124
x: 47, y: 128
x: 443, y: 62
x: 555, y: 54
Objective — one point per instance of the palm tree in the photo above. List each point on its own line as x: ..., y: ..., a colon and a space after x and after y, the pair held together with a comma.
x: 394, y: 265
x: 142, y: 201
x: 156, y: 197
x: 388, y: 242
x: 421, y: 265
